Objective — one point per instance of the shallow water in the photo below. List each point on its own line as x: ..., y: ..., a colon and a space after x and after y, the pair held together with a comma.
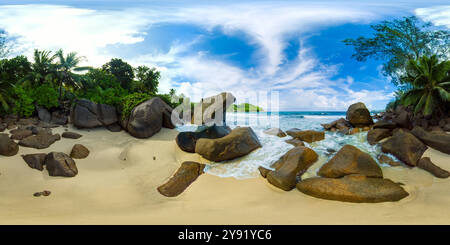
x: 274, y: 147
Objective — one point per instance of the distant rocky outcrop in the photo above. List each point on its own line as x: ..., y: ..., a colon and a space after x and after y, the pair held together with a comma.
x: 187, y: 140
x: 185, y: 176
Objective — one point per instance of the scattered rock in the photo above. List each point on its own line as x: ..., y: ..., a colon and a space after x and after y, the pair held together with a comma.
x: 405, y: 147
x: 353, y: 188
x: 426, y: 164
x: 18, y: 134
x: 115, y: 127
x: 295, y: 142
x: 337, y: 124
x: 42, y: 193
x: 185, y: 175
x: 187, y: 140
x: 60, y: 164
x: 7, y: 146
x: 306, y: 135
x: 350, y: 160
x: 292, y: 164
x: 40, y: 141
x: 276, y: 132
x: 436, y: 140
x: 386, y: 159
x: 79, y: 152
x: 239, y: 142
x: 358, y: 115
x: 35, y: 161
x: 377, y: 134
x: 71, y: 135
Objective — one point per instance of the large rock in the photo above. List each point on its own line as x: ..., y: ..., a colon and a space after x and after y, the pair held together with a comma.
x: 187, y: 140
x: 350, y: 160
x: 60, y: 164
x: 59, y: 118
x: 306, y: 135
x: 292, y: 164
x: 426, y: 164
x: 358, y: 115
x: 7, y: 146
x: 436, y: 140
x: 40, y: 141
x: 204, y: 111
x: 87, y: 114
x: 275, y: 132
x: 148, y: 118
x: 405, y: 146
x: 377, y: 134
x: 35, y: 161
x: 18, y: 134
x: 353, y: 188
x: 185, y: 176
x: 402, y: 119
x: 239, y: 142
x: 385, y: 124
x: 340, y: 124
x: 79, y: 152
x: 43, y: 114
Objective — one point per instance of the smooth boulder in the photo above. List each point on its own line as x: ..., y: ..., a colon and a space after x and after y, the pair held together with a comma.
x: 436, y: 140
x: 185, y: 176
x: 377, y: 134
x: 306, y: 135
x: 60, y: 164
x: 350, y: 160
x: 405, y: 146
x: 239, y: 142
x: 71, y: 135
x: 7, y: 146
x: 79, y: 152
x: 18, y: 134
x: 187, y: 140
x: 292, y: 164
x: 358, y: 115
x: 353, y: 188
x: 35, y: 161
x: 87, y: 114
x: 426, y: 164
x: 40, y: 141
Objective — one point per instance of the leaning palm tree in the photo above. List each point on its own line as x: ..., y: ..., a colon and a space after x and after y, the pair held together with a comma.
x: 43, y: 69
x: 430, y: 84
x: 66, y: 65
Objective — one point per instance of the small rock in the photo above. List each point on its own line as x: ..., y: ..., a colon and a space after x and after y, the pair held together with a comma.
x: 35, y: 161
x: 276, y: 132
x: 306, y: 135
x: 60, y: 164
x: 71, y: 135
x: 79, y: 151
x: 295, y: 142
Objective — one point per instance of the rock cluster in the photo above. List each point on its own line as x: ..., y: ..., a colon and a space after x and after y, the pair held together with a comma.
x: 187, y: 140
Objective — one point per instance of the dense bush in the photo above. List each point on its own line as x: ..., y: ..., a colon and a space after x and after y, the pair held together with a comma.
x: 46, y: 96
x: 23, y: 102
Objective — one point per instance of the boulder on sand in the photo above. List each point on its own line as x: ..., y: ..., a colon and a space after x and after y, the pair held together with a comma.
x: 405, y: 147
x: 292, y: 164
x: 275, y: 132
x: 353, y: 188
x: 79, y: 152
x: 71, y: 135
x: 436, y: 140
x: 350, y: 160
x: 187, y: 140
x: 43, y: 114
x: 60, y: 164
x: 377, y: 134
x: 358, y: 115
x: 185, y: 175
x: 40, y: 141
x: 426, y: 164
x: 87, y: 114
x: 18, y: 134
x: 148, y: 118
x: 306, y: 135
x: 239, y: 142
x: 35, y: 161
x: 7, y: 146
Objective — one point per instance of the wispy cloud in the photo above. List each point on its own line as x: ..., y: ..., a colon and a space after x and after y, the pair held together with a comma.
x: 438, y: 15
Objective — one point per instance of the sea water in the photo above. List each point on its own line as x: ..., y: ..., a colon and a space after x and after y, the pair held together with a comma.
x: 274, y: 147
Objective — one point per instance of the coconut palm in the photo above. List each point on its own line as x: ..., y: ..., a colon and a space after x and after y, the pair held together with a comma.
x: 42, y: 70
x: 430, y: 84
x: 66, y: 66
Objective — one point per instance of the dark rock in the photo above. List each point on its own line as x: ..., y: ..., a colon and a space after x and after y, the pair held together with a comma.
x: 84, y: 114
x: 426, y: 164
x: 292, y: 164
x: 3, y: 126
x: 350, y: 160
x: 35, y: 161
x: 358, y: 115
x: 40, y: 141
x: 18, y: 134
x: 385, y: 159
x: 263, y: 171
x: 43, y: 114
x: 239, y: 142
x: 47, y: 125
x: 146, y: 119
x: 115, y: 127
x: 436, y: 140
x: 71, y: 135
x: 402, y: 120
x: 107, y: 114
x: 79, y: 152
x: 46, y: 193
x: 27, y: 121
x: 187, y: 140
x: 60, y: 164
x: 405, y: 147
x: 353, y: 188
x: 295, y: 142
x: 306, y: 135
x: 377, y: 134
x: 276, y: 132
x: 7, y: 146
x: 59, y: 118
x: 185, y: 176
x: 385, y: 124
x: 340, y: 123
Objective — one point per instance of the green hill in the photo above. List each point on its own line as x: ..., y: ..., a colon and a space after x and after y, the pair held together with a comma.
x: 244, y: 107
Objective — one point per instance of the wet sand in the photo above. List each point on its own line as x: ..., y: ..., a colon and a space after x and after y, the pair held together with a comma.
x: 117, y: 184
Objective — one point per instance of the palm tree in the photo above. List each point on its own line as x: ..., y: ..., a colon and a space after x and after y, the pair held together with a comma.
x: 430, y: 84
x: 5, y: 97
x: 43, y: 69
x: 66, y: 65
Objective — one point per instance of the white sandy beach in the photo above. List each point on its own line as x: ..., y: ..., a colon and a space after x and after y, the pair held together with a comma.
x: 117, y: 184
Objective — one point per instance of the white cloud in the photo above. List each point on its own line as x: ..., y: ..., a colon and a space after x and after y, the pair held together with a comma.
x: 438, y: 15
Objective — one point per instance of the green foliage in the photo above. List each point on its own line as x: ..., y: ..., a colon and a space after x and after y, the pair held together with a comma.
x: 245, y: 107
x: 46, y: 96
x: 147, y: 80
x: 14, y: 69
x: 430, y: 84
x: 121, y: 70
x: 398, y: 41
x: 130, y: 101
x: 23, y: 102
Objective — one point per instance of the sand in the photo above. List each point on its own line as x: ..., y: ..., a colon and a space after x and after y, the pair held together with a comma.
x: 117, y: 184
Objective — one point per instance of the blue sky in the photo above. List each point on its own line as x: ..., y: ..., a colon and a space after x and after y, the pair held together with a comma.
x: 246, y: 47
